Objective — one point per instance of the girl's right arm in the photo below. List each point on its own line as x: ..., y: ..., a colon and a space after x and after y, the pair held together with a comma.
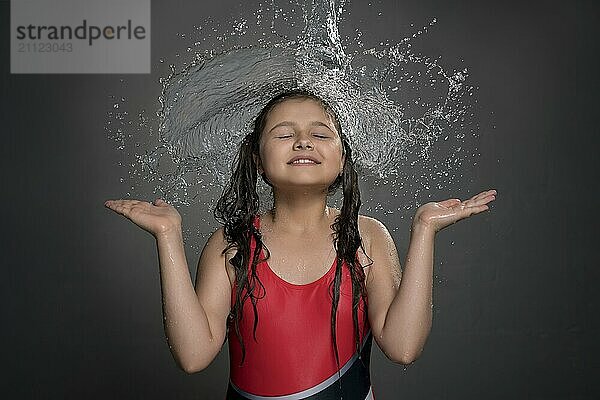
x: 194, y: 320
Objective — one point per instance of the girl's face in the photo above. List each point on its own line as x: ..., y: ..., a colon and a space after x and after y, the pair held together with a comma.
x: 300, y: 146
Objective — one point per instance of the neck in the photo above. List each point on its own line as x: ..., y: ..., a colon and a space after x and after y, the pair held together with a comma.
x: 300, y: 211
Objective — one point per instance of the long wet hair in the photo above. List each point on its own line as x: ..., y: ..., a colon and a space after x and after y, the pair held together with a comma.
x: 239, y: 204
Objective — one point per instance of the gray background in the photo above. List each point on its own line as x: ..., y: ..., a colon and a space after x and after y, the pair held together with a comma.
x: 515, y: 301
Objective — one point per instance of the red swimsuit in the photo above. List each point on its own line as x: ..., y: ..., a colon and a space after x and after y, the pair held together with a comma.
x: 292, y: 356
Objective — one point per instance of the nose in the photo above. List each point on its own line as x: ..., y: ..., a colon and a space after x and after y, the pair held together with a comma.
x: 303, y: 142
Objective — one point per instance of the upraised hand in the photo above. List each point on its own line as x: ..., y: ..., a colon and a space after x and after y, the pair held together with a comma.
x: 438, y: 215
x: 159, y: 218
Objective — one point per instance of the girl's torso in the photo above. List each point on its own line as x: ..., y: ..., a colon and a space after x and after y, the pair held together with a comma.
x: 293, y: 355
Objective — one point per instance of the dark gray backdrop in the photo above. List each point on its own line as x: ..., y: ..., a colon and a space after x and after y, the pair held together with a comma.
x: 515, y: 290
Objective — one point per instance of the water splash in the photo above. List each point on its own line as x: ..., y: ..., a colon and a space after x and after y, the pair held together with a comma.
x: 405, y: 114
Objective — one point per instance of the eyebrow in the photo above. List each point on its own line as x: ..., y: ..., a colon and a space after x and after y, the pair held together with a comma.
x: 290, y: 123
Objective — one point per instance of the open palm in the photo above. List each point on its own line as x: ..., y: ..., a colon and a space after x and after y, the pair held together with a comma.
x: 158, y: 218
x: 438, y: 215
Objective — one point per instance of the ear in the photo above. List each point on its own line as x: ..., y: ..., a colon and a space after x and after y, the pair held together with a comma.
x: 342, y: 162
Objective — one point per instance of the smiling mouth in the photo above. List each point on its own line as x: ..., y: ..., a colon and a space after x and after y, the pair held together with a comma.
x: 303, y: 161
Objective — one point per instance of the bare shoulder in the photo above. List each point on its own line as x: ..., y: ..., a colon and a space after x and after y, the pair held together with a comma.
x: 217, y: 253
x: 373, y: 234
x: 217, y: 239
x: 372, y: 229
x: 217, y: 242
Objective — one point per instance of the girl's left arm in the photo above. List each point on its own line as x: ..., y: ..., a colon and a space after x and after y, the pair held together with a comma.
x: 400, y: 304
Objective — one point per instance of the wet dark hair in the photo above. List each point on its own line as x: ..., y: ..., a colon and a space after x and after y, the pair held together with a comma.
x: 239, y: 204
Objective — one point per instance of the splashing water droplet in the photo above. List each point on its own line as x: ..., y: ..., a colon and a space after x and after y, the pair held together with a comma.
x: 395, y: 106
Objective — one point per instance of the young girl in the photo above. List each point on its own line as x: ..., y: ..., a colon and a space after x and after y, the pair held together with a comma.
x: 302, y: 289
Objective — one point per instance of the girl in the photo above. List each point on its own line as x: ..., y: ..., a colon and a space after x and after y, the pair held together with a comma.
x: 300, y: 290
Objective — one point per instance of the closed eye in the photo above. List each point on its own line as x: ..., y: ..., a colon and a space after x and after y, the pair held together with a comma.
x: 321, y: 135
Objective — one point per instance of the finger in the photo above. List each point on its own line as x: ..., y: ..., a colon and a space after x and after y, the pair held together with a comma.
x: 478, y: 199
x: 481, y: 195
x: 116, y: 204
x: 122, y: 207
x: 113, y: 203
x: 479, y: 203
x: 488, y: 192
x: 482, y: 198
x: 479, y: 209
x: 122, y: 201
x: 469, y: 211
x: 449, y: 202
x: 486, y: 199
x: 160, y: 203
x: 127, y: 207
